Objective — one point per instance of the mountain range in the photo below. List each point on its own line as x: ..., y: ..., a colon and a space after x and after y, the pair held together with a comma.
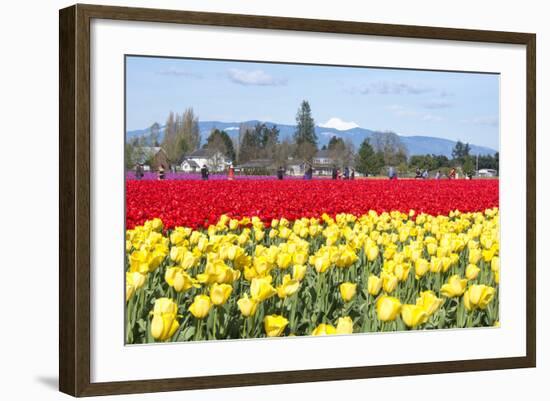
x: 416, y: 145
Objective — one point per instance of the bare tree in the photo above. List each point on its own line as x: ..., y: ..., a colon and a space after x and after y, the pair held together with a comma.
x: 389, y: 144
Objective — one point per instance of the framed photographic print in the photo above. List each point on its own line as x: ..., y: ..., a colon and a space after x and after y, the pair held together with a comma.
x: 308, y: 199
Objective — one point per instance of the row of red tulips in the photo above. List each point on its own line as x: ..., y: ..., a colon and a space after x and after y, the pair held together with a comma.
x: 200, y: 203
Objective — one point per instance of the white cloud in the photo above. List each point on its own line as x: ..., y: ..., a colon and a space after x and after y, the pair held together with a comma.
x: 178, y: 72
x: 392, y: 88
x: 254, y: 77
x: 485, y: 120
x: 339, y: 124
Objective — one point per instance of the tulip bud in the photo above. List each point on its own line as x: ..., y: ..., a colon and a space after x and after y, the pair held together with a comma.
x: 219, y: 293
x: 421, y: 267
x: 344, y: 325
x: 134, y: 281
x: 164, y: 323
x: 288, y: 287
x: 347, y: 291
x: 323, y: 330
x: 472, y: 271
x: 478, y: 296
x: 274, y: 325
x: 201, y: 306
x: 299, y: 272
x: 374, y: 285
x: 429, y: 302
x: 247, y: 306
x: 261, y: 288
x: 413, y: 315
x: 455, y: 287
x: 372, y: 253
x: 389, y: 282
x: 387, y: 308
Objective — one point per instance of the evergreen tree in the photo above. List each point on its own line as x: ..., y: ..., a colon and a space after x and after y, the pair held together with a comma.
x: 334, y: 142
x: 367, y: 160
x: 460, y: 152
x: 305, y: 136
x: 221, y: 141
x: 249, y: 144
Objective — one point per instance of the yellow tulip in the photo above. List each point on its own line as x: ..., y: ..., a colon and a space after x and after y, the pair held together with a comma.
x: 436, y: 264
x: 284, y: 260
x: 261, y: 288
x: 374, y: 285
x: 323, y: 330
x: 259, y: 235
x: 474, y: 256
x: 346, y: 258
x: 478, y: 296
x: 288, y: 287
x: 321, y: 262
x: 455, y: 287
x: 217, y: 271
x: 299, y: 258
x: 421, y: 267
x: 134, y: 281
x: 347, y: 291
x: 219, y: 293
x: 495, y: 264
x: 389, y: 282
x: 431, y: 248
x: 344, y: 325
x: 176, y: 253
x: 387, y: 308
x: 164, y: 323
x: 472, y: 271
x: 299, y: 272
x: 414, y: 315
x: 201, y: 306
x: 188, y: 261
x: 177, y: 277
x: 372, y: 253
x: 274, y: 325
x: 247, y: 306
x: 429, y: 302
x: 401, y: 271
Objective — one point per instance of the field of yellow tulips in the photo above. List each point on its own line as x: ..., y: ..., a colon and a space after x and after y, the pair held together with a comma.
x: 313, y: 276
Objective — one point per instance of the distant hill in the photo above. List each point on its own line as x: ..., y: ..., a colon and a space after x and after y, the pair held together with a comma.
x: 416, y: 145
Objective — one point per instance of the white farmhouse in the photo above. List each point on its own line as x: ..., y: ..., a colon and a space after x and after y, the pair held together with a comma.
x: 487, y: 172
x: 215, y: 160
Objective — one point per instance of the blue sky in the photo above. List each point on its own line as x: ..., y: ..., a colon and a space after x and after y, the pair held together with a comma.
x: 452, y: 105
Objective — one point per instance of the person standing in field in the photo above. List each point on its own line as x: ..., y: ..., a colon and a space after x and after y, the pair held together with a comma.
x: 204, y: 172
x: 280, y: 173
x: 309, y: 173
x: 231, y: 173
x: 139, y: 171
x: 346, y: 173
x: 452, y: 174
x: 438, y: 175
x: 161, y: 173
x: 352, y: 174
x: 334, y: 173
x: 392, y: 174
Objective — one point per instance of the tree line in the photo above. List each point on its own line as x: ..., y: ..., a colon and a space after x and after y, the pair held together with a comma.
x: 261, y: 141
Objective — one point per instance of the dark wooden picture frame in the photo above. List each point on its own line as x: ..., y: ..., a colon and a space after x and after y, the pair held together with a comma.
x: 74, y: 199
